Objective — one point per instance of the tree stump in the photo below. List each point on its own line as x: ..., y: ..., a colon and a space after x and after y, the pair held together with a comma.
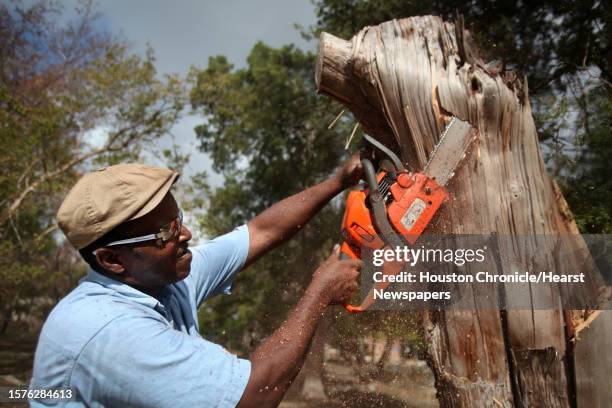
x: 403, y: 80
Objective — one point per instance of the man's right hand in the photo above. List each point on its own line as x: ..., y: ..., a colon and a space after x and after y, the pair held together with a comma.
x: 336, y: 279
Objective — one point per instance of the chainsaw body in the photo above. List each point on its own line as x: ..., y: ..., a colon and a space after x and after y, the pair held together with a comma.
x: 411, y: 200
x: 398, y: 205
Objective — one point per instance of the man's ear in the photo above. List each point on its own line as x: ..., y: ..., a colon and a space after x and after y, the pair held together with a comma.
x: 109, y: 259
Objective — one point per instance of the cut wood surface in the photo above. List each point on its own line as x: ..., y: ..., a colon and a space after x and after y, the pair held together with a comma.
x: 403, y: 80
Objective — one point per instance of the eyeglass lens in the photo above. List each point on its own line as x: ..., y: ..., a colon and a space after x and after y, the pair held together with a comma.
x: 173, y: 229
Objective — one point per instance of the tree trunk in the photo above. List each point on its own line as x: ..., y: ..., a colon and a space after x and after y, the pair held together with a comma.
x: 403, y: 80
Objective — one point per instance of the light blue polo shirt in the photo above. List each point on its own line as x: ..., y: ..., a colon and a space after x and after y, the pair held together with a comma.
x: 115, y: 346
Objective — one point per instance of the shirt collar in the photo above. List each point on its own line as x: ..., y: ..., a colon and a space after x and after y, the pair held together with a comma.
x: 123, y: 290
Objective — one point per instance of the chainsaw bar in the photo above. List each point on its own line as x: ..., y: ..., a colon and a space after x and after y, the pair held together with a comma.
x: 449, y: 151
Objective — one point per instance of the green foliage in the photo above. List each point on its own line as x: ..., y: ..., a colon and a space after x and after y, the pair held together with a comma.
x: 71, y: 97
x: 587, y: 184
x: 266, y: 131
x: 268, y: 116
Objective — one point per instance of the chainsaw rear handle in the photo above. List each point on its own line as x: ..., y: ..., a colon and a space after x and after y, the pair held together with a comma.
x: 381, y: 222
x: 349, y: 308
x: 368, y: 300
x: 389, y: 236
x: 397, y: 163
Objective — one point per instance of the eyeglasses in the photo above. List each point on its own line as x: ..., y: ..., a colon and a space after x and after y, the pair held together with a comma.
x: 166, y: 233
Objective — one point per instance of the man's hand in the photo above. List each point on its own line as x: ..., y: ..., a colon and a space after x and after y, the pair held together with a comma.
x: 335, y: 279
x: 351, y: 172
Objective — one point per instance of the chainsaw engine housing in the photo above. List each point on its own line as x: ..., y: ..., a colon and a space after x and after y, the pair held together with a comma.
x: 411, y: 199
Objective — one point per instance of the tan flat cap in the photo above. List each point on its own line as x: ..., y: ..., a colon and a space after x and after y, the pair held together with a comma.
x: 103, y: 199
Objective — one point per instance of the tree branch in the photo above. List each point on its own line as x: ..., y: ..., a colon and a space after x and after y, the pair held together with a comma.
x: 107, y: 148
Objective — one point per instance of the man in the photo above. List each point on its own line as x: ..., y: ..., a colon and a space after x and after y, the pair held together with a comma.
x: 128, y: 335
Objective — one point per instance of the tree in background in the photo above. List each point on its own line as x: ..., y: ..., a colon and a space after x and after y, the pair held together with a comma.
x: 266, y: 132
x: 71, y: 96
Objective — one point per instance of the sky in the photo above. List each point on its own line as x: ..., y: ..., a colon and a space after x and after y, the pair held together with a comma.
x: 187, y: 32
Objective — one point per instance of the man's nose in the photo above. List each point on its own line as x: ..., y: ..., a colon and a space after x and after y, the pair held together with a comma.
x: 185, y: 234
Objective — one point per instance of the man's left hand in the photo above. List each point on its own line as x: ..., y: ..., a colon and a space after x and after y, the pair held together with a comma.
x: 351, y: 172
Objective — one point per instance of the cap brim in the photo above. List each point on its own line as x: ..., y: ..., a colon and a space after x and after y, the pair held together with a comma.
x: 157, y: 197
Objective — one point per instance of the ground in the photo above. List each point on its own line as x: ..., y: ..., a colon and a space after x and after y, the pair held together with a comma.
x: 405, y: 385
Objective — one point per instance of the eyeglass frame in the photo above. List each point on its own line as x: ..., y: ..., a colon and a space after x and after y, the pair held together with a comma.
x: 151, y: 237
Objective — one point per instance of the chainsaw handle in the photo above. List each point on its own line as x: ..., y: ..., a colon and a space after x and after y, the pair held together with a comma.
x: 389, y: 236
x: 397, y: 163
x: 370, y: 177
x: 350, y: 308
x: 369, y: 299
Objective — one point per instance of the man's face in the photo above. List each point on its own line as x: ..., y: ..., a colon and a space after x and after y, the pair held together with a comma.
x: 151, y: 265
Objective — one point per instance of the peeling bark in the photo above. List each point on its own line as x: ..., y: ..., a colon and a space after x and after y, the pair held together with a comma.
x: 403, y: 80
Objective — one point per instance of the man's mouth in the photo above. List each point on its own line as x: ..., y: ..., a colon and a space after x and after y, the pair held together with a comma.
x: 183, y: 253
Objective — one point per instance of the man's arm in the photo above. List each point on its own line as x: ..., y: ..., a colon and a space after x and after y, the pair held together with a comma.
x: 278, y: 360
x: 282, y: 220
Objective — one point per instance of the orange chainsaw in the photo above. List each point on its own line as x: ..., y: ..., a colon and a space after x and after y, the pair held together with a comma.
x: 397, y: 205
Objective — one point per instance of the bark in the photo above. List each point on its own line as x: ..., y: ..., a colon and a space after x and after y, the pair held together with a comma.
x: 403, y: 80
x: 593, y: 362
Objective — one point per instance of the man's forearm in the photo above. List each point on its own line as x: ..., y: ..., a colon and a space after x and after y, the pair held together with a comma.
x: 278, y: 360
x: 285, y: 218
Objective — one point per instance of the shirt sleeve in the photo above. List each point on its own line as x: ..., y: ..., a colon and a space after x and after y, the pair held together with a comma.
x: 153, y: 365
x: 214, y: 263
